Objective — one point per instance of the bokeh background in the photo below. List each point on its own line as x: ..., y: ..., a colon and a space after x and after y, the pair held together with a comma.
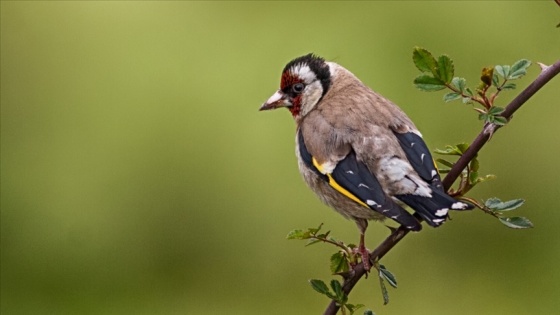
x: 138, y: 177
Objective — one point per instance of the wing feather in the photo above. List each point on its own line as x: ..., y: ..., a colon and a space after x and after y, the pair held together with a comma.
x: 353, y: 179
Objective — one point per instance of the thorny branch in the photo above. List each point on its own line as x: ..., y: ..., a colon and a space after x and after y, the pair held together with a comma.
x: 397, y: 235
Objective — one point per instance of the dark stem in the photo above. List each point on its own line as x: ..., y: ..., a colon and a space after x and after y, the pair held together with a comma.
x: 358, y: 272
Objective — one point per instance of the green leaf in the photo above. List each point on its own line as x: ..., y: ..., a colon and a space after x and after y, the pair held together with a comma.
x: 339, y: 263
x: 297, y: 235
x: 462, y: 147
x: 451, y: 97
x: 387, y: 275
x: 315, y: 230
x: 384, y: 291
x: 337, y: 288
x: 474, y: 165
x: 427, y: 83
x: 495, y: 79
x: 495, y: 110
x: 453, y: 149
x: 473, y: 178
x: 497, y: 205
x: 424, y: 60
x: 503, y: 71
x: 500, y: 120
x: 353, y: 308
x: 320, y: 286
x: 519, y: 69
x: 517, y: 222
x: 459, y: 83
x: 509, y: 86
x: 445, y: 162
x: 313, y: 241
x: 445, y: 69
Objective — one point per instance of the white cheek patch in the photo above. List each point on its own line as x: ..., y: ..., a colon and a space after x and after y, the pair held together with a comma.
x: 311, y: 96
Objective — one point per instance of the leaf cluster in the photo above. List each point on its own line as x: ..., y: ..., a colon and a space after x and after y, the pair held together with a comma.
x: 337, y: 295
x: 341, y: 262
x: 438, y: 74
x: 470, y: 178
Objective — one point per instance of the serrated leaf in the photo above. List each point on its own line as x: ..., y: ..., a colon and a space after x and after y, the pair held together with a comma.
x: 296, y: 235
x: 427, y: 83
x: 320, y: 286
x: 504, y: 71
x: 459, y: 83
x: 509, y: 86
x: 520, y: 64
x: 500, y: 120
x: 492, y: 202
x: 445, y: 68
x: 451, y: 97
x: 424, y: 60
x: 517, y: 222
x: 387, y: 275
x: 498, y: 205
x: 495, y: 110
x: 519, y: 69
x: 339, y: 263
x: 337, y: 288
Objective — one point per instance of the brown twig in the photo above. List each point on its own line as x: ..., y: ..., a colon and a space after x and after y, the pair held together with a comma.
x: 358, y: 272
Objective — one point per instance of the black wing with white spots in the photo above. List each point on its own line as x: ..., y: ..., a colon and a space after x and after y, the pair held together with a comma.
x: 353, y: 179
x: 420, y: 158
x: 432, y: 209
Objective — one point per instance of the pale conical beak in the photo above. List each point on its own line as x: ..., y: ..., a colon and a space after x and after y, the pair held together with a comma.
x: 277, y: 100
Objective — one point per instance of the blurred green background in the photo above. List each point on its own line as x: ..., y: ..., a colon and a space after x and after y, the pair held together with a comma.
x: 138, y: 177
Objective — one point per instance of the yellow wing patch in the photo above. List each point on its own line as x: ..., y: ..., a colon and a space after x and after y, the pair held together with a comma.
x: 336, y: 186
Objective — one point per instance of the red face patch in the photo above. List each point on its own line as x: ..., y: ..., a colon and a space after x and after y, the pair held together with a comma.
x: 288, y: 80
x: 286, y: 83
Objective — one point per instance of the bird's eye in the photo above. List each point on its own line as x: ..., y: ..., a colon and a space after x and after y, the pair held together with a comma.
x: 298, y: 88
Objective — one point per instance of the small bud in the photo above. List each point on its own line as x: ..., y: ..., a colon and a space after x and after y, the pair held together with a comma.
x: 486, y: 76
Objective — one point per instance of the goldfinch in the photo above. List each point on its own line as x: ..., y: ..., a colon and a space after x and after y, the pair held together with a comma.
x: 358, y: 151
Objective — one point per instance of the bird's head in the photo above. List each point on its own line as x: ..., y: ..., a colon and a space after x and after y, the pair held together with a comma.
x: 305, y: 80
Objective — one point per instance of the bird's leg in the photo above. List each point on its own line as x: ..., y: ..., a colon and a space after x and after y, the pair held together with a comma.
x: 364, y: 252
x: 362, y: 225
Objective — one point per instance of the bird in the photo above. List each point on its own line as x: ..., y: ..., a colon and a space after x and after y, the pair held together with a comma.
x: 358, y: 151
